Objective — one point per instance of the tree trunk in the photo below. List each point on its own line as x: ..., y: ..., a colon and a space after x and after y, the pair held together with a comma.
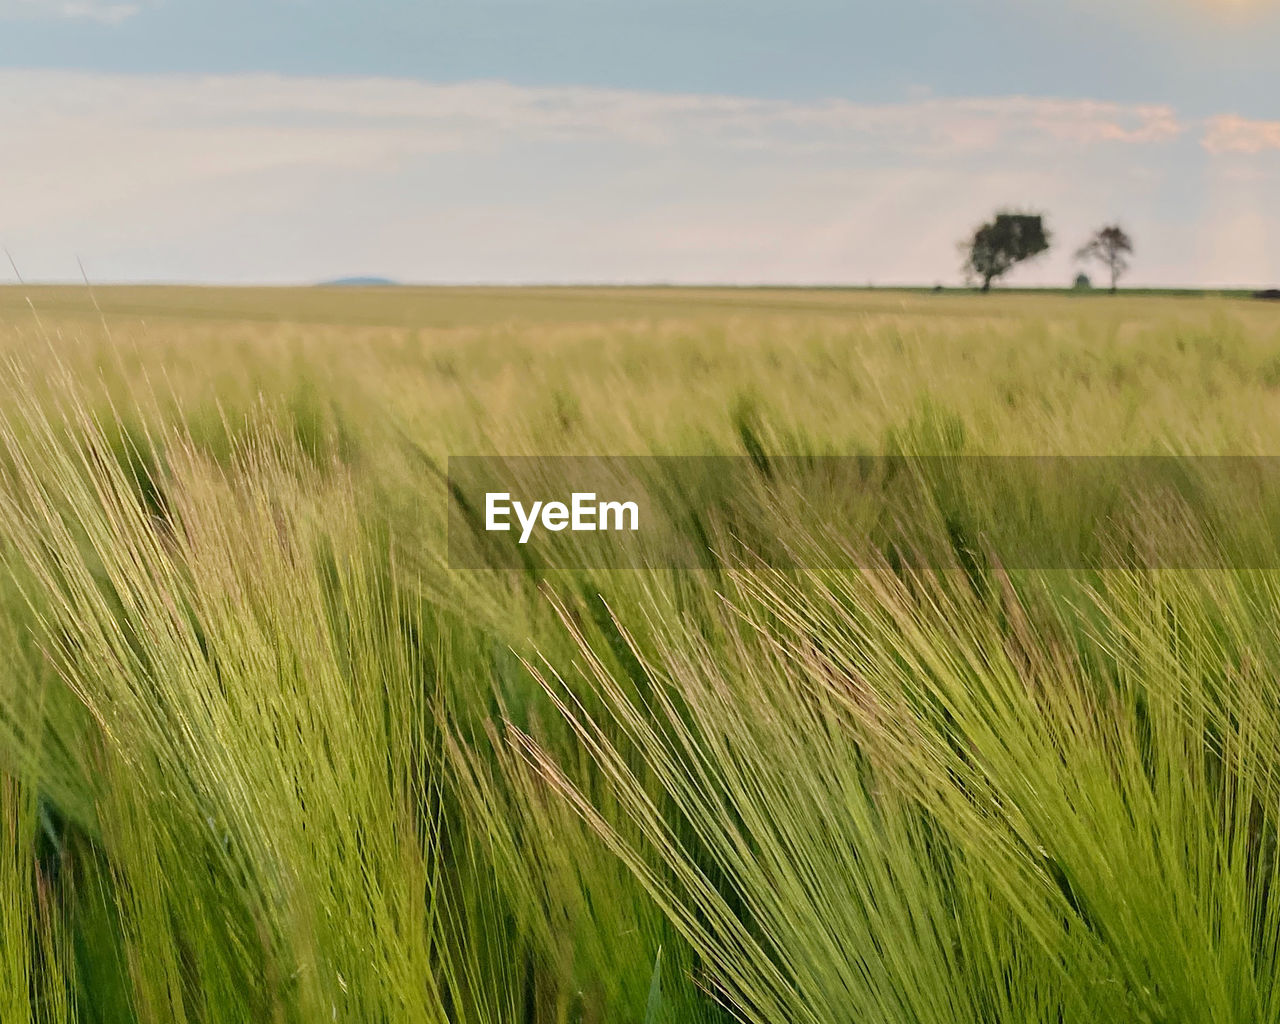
x: 986, y: 283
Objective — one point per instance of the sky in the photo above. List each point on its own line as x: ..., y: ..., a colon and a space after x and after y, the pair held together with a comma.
x: 633, y: 141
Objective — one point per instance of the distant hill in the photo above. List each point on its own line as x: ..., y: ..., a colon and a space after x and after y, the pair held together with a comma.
x: 359, y: 282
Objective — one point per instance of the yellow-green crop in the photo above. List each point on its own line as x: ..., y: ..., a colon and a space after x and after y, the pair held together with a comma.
x: 264, y: 756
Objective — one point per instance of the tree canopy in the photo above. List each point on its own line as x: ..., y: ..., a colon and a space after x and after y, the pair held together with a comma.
x: 999, y: 245
x: 1110, y: 246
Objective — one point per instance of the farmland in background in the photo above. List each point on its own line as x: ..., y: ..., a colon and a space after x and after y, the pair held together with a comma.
x: 265, y: 756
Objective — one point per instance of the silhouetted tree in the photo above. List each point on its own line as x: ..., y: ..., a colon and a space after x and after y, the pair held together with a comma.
x: 1001, y: 244
x: 1109, y: 246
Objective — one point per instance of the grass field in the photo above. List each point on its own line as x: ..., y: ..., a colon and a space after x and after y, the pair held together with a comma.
x: 265, y: 757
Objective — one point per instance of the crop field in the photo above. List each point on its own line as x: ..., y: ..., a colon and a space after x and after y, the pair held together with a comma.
x: 266, y: 755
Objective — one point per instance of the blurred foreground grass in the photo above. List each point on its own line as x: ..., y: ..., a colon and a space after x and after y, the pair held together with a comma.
x: 263, y: 756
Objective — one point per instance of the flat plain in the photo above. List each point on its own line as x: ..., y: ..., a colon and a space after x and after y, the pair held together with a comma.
x: 265, y: 756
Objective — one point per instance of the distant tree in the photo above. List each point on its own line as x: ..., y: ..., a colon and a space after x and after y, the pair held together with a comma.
x: 998, y: 246
x: 1109, y: 246
x: 1083, y: 284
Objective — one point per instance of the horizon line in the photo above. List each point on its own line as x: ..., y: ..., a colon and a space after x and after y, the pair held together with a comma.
x: 378, y: 281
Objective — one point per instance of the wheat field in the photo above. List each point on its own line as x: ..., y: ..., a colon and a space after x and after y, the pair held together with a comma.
x: 265, y: 756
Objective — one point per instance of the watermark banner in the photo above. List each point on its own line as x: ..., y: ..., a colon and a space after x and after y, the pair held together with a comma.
x: 537, y: 514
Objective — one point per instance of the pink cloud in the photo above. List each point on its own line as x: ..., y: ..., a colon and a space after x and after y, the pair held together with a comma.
x: 1229, y: 133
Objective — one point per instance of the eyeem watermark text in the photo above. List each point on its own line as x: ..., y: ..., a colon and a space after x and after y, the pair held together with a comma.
x: 582, y: 514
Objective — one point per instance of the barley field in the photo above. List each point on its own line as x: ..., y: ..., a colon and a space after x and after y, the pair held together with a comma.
x: 266, y: 756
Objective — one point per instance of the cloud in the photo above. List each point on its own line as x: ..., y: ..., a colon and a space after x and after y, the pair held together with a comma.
x: 275, y: 178
x: 475, y: 113
x: 1232, y: 134
x: 71, y: 10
